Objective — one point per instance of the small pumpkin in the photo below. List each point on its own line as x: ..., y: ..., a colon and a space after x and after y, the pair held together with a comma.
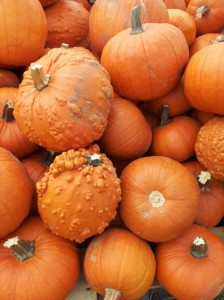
x: 8, y: 78
x: 119, y: 265
x: 79, y: 194
x: 191, y: 266
x: 16, y: 190
x: 64, y: 99
x: 37, y: 264
x: 160, y: 198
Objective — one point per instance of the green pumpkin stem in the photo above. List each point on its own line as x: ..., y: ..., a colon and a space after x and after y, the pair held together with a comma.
x: 165, y: 116
x: 202, y: 11
x: 136, y: 20
x: 20, y: 248
x: 199, y: 248
x: 94, y: 160
x: 112, y: 294
x: 40, y: 79
x: 7, y: 113
x: 204, y: 179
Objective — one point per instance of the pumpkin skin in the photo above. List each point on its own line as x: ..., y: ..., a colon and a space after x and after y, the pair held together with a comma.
x: 201, y: 116
x: 175, y: 138
x: 71, y: 111
x: 85, y: 3
x: 175, y: 263
x: 11, y: 137
x: 175, y: 4
x: 107, y: 18
x: 54, y: 278
x: 203, y: 86
x: 79, y: 195
x: 209, y: 146
x: 119, y: 270
x: 68, y: 22
x: 207, y: 14
x: 15, y: 202
x: 8, y: 78
x: 127, y: 65
x: 46, y: 3
x: 128, y: 135
x: 23, y: 35
x: 211, y: 208
x: 160, y: 198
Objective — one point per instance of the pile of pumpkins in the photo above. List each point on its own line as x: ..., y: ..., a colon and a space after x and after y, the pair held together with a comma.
x: 111, y: 138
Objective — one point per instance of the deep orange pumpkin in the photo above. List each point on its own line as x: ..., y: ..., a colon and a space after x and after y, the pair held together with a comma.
x: 38, y: 264
x: 16, y: 190
x: 160, y: 198
x: 191, y: 266
x: 119, y: 264
x: 46, y: 3
x: 8, y: 78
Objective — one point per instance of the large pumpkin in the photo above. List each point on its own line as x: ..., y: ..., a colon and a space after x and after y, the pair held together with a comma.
x: 119, y: 264
x: 132, y: 61
x: 16, y: 190
x: 23, y: 31
x: 191, y: 266
x: 79, y: 195
x: 64, y: 99
x: 160, y: 198
x: 36, y: 264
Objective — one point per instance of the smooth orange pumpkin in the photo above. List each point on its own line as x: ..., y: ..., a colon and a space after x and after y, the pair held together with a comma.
x: 132, y: 61
x: 8, y: 78
x: 160, y: 198
x: 39, y: 264
x: 195, y: 255
x: 79, y: 194
x: 119, y: 264
x: 16, y: 190
x: 175, y: 4
x: 46, y: 3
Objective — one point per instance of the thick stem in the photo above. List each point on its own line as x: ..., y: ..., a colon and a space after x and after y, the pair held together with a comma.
x: 136, y: 20
x: 219, y: 39
x: 199, y: 248
x: 202, y: 11
x: 48, y: 157
x: 94, y: 160
x: 7, y: 113
x: 165, y: 116
x: 40, y: 79
x: 156, y: 199
x: 112, y: 294
x: 20, y: 248
x: 204, y: 179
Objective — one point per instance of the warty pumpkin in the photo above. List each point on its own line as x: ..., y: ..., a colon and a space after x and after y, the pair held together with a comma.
x: 132, y: 61
x: 209, y: 146
x: 119, y: 265
x: 160, y: 198
x: 79, y: 194
x: 191, y: 266
x: 36, y: 264
x: 16, y: 190
x: 64, y: 99
x: 23, y: 32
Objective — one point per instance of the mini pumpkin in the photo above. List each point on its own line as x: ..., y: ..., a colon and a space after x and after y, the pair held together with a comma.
x: 79, y: 194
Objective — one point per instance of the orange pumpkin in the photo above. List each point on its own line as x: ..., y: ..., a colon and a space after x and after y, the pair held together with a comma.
x: 197, y: 255
x: 119, y: 264
x: 160, y: 198
x: 8, y: 78
x: 46, y: 3
x: 79, y: 194
x: 175, y: 4
x: 137, y: 71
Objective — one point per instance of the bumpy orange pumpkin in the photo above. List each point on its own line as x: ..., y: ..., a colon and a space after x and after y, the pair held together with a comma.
x: 78, y: 196
x: 64, y: 99
x: 119, y: 264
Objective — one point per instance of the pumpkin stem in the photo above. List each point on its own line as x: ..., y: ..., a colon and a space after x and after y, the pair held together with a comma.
x: 112, y: 294
x: 156, y: 199
x: 204, y: 179
x: 202, y: 11
x: 220, y: 296
x: 218, y: 39
x: 199, y: 248
x: 165, y: 116
x: 94, y: 160
x: 48, y: 157
x: 40, y: 79
x: 20, y: 248
x: 7, y: 113
x: 136, y: 20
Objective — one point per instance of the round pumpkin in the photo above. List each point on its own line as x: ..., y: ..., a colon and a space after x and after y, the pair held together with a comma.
x: 46, y: 3
x: 119, y: 264
x: 8, y: 78
x: 175, y: 4
x: 137, y: 71
x: 191, y: 266
x: 160, y: 198
x: 37, y: 264
x: 64, y: 100
x: 16, y: 190
x: 23, y: 32
x: 79, y: 194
